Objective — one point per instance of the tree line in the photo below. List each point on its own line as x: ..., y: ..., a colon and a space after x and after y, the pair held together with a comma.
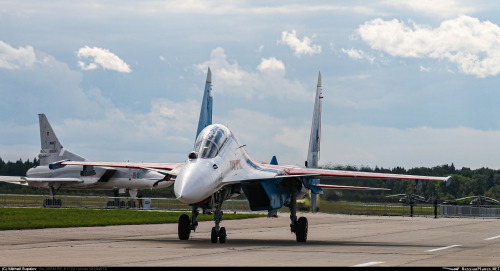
x: 465, y: 182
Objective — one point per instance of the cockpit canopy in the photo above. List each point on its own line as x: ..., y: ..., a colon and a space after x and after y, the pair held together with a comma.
x: 211, y: 140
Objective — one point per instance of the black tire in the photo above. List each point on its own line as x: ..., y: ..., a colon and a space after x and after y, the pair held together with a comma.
x: 213, y: 236
x: 184, y: 227
x: 222, y: 235
x: 301, y: 229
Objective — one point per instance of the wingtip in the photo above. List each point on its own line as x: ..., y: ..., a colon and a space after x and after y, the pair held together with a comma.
x: 319, y: 79
x: 447, y: 181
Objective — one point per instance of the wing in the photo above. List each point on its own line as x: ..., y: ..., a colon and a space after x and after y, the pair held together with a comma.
x: 54, y: 180
x: 158, y: 166
x: 162, y: 168
x: 13, y: 180
x: 25, y: 180
x: 347, y: 187
x: 336, y: 174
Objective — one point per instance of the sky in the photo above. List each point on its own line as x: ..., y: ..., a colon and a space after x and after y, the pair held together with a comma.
x: 405, y: 83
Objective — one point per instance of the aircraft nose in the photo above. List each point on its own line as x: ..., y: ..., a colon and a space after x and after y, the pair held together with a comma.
x: 191, y: 185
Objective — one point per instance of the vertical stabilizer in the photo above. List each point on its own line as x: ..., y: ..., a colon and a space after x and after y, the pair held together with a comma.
x: 274, y: 161
x: 315, y: 138
x: 51, y: 149
x: 48, y: 138
x: 206, y: 105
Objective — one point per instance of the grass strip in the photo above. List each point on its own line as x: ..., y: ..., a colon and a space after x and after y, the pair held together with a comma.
x: 39, y: 218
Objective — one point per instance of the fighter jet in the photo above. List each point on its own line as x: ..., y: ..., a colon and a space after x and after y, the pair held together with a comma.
x: 55, y: 176
x: 219, y: 168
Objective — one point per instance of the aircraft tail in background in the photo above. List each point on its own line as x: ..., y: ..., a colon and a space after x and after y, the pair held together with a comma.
x: 51, y: 149
x: 315, y: 138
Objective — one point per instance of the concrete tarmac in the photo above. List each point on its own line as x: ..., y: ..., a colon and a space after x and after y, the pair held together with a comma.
x: 333, y: 240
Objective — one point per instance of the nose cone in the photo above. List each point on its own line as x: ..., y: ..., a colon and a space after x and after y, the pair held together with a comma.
x: 194, y: 182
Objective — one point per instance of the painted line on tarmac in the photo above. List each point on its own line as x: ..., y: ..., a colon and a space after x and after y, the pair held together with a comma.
x: 491, y: 238
x: 367, y: 264
x: 441, y: 248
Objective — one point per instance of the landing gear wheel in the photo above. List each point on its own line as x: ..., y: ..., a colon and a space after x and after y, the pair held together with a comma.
x: 213, y: 236
x: 301, y: 229
x: 184, y: 227
x: 222, y: 235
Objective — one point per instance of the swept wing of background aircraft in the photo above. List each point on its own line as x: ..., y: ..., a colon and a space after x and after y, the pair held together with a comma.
x: 219, y: 168
x: 51, y: 174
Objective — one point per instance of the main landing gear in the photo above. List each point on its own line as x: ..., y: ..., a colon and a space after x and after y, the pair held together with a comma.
x: 187, y: 225
x: 299, y: 227
x: 52, y: 202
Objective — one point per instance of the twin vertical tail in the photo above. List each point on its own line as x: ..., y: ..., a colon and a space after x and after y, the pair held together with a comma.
x: 51, y: 149
x: 314, y: 140
x: 206, y: 105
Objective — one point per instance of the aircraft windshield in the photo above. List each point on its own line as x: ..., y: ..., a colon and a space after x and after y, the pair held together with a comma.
x: 211, y: 140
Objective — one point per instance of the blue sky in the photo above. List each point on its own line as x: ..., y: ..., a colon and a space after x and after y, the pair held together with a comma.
x: 405, y: 83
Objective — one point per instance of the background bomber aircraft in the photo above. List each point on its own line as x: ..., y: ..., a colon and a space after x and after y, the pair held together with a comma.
x: 219, y: 168
x: 51, y: 174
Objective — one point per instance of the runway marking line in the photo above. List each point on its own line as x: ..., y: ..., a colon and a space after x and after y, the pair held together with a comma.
x: 441, y: 248
x: 367, y: 264
x: 491, y: 238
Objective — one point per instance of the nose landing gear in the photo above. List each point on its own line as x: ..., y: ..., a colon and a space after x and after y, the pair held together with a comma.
x: 217, y: 231
x: 186, y: 225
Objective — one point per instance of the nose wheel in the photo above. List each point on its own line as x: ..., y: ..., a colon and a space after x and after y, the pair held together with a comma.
x: 221, y: 235
x: 217, y: 231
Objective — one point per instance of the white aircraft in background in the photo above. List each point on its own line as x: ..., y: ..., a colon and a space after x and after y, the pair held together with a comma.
x: 219, y: 168
x: 55, y: 176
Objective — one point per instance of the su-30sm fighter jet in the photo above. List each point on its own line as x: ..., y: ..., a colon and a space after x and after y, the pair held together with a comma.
x: 219, y: 168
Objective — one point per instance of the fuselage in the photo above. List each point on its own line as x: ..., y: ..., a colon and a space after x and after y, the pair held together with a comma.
x: 218, y: 159
x: 99, y: 178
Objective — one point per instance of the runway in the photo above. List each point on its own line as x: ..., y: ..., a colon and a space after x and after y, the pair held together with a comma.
x: 333, y: 240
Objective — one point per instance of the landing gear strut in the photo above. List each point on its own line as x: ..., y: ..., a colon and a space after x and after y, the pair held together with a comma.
x: 52, y: 202
x: 217, y: 231
x: 299, y: 227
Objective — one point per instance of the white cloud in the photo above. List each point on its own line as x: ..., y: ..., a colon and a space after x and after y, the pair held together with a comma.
x: 101, y: 57
x: 14, y: 59
x: 473, y: 46
x: 358, y: 54
x: 269, y: 79
x: 300, y: 47
x: 424, y: 69
x: 271, y: 65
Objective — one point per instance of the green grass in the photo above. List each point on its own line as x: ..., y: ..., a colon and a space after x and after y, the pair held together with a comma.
x: 38, y: 218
